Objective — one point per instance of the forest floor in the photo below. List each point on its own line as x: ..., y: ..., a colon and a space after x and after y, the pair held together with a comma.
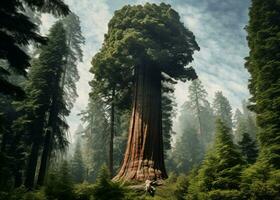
x: 166, y: 191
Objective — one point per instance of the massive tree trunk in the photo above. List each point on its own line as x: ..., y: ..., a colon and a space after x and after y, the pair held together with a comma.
x: 144, y: 152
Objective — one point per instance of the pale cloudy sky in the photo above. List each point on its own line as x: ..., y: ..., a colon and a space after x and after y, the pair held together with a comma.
x: 219, y: 29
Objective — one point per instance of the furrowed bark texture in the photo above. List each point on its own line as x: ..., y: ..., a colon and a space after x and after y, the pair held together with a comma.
x: 144, y: 152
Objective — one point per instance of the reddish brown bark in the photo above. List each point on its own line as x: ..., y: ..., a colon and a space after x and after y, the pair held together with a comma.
x: 144, y: 152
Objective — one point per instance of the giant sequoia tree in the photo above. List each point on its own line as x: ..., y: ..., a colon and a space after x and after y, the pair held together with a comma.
x: 145, y: 40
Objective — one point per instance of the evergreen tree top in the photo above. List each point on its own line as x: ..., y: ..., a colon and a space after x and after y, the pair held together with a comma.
x: 147, y: 35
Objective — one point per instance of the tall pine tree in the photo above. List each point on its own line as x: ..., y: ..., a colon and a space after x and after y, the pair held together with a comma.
x: 74, y: 41
x: 43, y: 108
x: 222, y: 109
x: 96, y: 136
x: 77, y: 164
x: 262, y: 180
x: 220, y: 174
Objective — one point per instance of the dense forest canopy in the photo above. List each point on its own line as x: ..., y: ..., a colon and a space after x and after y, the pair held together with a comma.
x: 154, y: 106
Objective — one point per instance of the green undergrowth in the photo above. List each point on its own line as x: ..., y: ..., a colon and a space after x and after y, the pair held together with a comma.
x: 61, y: 188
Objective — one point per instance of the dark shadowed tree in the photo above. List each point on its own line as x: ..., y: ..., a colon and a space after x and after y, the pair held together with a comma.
x: 168, y: 105
x: 18, y: 31
x: 249, y: 148
x: 43, y: 107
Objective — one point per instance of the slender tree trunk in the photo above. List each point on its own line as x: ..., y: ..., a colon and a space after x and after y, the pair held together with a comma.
x: 33, y: 157
x: 198, y: 114
x: 112, y: 134
x: 48, y: 140
x: 66, y: 64
x: 18, y: 154
x: 144, y: 157
x: 32, y: 164
x: 18, y: 177
x: 45, y: 158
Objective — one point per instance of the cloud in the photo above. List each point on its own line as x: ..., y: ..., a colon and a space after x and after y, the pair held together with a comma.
x: 219, y: 30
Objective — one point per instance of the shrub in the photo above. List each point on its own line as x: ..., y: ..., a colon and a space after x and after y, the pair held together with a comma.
x: 83, y: 191
x: 59, y: 184
x: 105, y: 189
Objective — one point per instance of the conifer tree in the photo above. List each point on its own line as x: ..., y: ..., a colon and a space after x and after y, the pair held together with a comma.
x: 240, y: 125
x: 188, y: 151
x: 96, y: 134
x: 17, y: 31
x: 222, y: 109
x: 74, y: 41
x: 220, y: 174
x: 77, y: 164
x: 202, y: 111
x: 262, y: 180
x: 43, y: 107
x: 249, y: 148
x: 168, y: 105
x: 59, y: 184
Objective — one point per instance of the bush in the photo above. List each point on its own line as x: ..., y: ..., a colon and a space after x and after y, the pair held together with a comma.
x: 36, y: 195
x: 83, y: 191
x: 261, y: 181
x: 21, y: 193
x: 182, y: 186
x: 105, y: 189
x: 59, y: 184
x: 224, y: 195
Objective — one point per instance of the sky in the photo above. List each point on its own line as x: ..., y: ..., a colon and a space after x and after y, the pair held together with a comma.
x: 219, y: 29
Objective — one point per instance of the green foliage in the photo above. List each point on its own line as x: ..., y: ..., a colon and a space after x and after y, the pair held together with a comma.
x: 188, y: 151
x: 264, y: 67
x: 244, y: 122
x: 224, y: 195
x: 182, y: 185
x: 77, y: 165
x: 18, y: 30
x: 203, y: 113
x: 83, y: 191
x: 261, y: 181
x: 106, y: 189
x: 196, y: 129
x: 222, y: 109
x: 74, y: 41
x: 22, y: 193
x: 248, y: 148
x: 96, y: 133
x: 220, y: 174
x: 59, y: 184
